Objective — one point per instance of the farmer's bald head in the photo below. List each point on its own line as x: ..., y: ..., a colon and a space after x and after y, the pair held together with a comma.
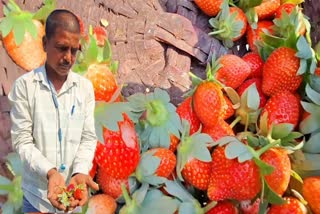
x: 63, y: 19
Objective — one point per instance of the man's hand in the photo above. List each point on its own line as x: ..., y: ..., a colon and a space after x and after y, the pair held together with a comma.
x: 79, y: 179
x: 56, y: 183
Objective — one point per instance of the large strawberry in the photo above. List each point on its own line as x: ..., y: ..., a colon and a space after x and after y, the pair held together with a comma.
x: 185, y: 111
x: 155, y: 166
x: 231, y: 179
x: 280, y: 72
x: 101, y: 204
x: 233, y: 70
x: 283, y: 107
x: 193, y: 158
x: 120, y: 153
x: 229, y: 25
x: 22, y: 33
x: 255, y: 62
x: 103, y: 81
x: 209, y: 7
x: 112, y: 186
x: 209, y: 103
x: 292, y: 205
x: 267, y: 8
x: 95, y: 63
x: 254, y: 34
x: 279, y: 179
x: 221, y: 129
x: 311, y: 192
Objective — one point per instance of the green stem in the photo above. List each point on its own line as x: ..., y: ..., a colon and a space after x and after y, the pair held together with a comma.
x: 267, y: 147
x: 126, y: 195
x: 235, y: 121
x: 217, y: 32
x: 262, y: 189
x: 8, y: 187
x: 209, y: 206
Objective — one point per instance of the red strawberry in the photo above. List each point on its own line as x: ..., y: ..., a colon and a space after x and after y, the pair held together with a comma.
x: 197, y: 173
x: 78, y: 194
x: 109, y: 185
x: 255, y: 62
x: 22, y: 35
x: 221, y: 129
x: 279, y: 179
x: 101, y: 204
x: 70, y: 187
x: 233, y: 72
x: 247, y: 207
x: 209, y: 103
x: 174, y: 141
x: 225, y: 21
x: 209, y: 7
x: 254, y: 35
x: 283, y: 107
x: 100, y: 34
x: 120, y: 152
x: 103, y: 81
x: 280, y: 72
x: 229, y: 110
x: 293, y: 205
x: 311, y: 192
x: 288, y: 8
x: 267, y: 8
x: 224, y: 207
x: 231, y: 179
x: 258, y: 82
x: 185, y: 111
x: 167, y: 163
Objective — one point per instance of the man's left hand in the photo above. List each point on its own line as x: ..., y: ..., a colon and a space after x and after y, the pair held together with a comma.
x: 78, y: 179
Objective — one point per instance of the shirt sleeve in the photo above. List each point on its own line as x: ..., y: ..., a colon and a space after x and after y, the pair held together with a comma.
x: 84, y: 156
x: 21, y: 130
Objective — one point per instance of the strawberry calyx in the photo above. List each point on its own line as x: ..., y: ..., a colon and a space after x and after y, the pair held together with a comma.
x: 146, y: 170
x: 20, y: 22
x: 93, y: 52
x: 225, y: 26
x: 156, y: 118
x: 190, y: 147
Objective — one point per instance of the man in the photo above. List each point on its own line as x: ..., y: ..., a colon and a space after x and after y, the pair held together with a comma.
x: 53, y: 122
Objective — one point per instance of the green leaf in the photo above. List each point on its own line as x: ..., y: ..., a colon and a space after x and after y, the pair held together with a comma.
x: 15, y: 163
x: 313, y: 95
x: 252, y: 141
x: 281, y: 130
x: 303, y: 67
x: 245, y: 4
x: 177, y: 190
x: 271, y: 196
x: 265, y: 169
x: 304, y: 49
x: 235, y: 149
x: 7, y: 208
x: 253, y: 96
x: 6, y: 26
x: 313, y: 144
x: 187, y: 208
x: 5, y: 185
x: 227, y: 139
x: 31, y: 28
x: 149, y: 164
x: 45, y: 10
x: 296, y: 176
x: 18, y: 32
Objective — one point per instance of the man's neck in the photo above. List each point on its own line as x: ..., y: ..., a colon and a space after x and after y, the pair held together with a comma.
x: 56, y: 80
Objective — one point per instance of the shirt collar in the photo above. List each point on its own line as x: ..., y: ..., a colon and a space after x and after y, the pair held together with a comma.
x: 40, y: 74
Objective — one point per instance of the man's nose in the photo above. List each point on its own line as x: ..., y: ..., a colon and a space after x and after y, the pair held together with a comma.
x: 68, y: 55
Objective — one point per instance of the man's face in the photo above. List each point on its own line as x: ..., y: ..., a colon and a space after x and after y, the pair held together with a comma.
x: 61, y: 51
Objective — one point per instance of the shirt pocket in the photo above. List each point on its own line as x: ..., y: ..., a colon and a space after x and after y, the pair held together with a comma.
x: 76, y: 123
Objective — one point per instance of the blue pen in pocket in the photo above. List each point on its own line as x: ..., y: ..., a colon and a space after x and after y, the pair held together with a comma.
x: 72, y: 109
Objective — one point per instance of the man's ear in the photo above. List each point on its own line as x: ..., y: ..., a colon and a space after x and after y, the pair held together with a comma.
x: 44, y: 42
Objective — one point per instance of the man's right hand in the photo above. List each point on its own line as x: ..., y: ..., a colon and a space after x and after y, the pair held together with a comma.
x: 56, y: 183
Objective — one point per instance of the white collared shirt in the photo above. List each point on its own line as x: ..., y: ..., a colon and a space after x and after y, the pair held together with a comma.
x: 35, y: 130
